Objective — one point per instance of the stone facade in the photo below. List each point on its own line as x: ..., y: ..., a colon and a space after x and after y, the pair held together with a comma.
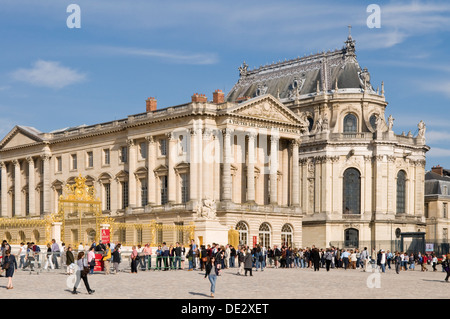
x: 298, y: 152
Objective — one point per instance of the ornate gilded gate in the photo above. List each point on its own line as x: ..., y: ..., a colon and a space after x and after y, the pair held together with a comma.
x: 79, y: 211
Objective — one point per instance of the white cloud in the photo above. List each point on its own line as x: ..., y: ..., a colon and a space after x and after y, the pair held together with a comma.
x: 438, y: 152
x: 176, y: 57
x: 437, y: 136
x: 48, y: 74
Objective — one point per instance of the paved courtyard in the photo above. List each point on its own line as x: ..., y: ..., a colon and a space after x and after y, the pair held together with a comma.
x: 270, y: 284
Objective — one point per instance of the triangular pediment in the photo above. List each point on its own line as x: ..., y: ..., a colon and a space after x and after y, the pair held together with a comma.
x: 19, y: 136
x: 266, y: 108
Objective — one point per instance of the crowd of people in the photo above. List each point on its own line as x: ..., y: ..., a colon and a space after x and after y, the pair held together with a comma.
x: 178, y: 257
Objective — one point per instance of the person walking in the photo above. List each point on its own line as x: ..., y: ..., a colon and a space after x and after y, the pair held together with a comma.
x: 328, y: 259
x: 315, y: 258
x: 9, y: 264
x: 446, y: 266
x: 116, y: 259
x: 22, y: 253
x: 49, y: 261
x: 91, y: 259
x: 133, y: 258
x: 212, y: 272
x: 55, y: 253
x: 397, y: 260
x: 70, y: 260
x: 248, y: 262
x: 107, y: 259
x: 82, y: 273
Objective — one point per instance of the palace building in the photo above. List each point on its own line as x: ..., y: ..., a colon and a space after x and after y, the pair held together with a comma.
x: 299, y: 152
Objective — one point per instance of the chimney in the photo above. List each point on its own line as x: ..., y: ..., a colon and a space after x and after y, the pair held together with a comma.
x: 151, y: 104
x: 438, y: 170
x: 200, y: 98
x: 218, y: 97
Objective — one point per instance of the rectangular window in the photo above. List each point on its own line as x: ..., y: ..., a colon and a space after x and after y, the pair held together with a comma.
x: 27, y: 203
x: 124, y: 195
x: 59, y: 164
x: 159, y: 233
x: 106, y: 156
x: 445, y: 210
x: 107, y: 196
x: 163, y: 180
x: 184, y: 188
x: 163, y: 147
x: 143, y: 150
x: 74, y: 161
x: 90, y: 159
x: 180, y: 232
x: 124, y: 154
x: 41, y: 201
x: 144, y: 193
x: 426, y: 210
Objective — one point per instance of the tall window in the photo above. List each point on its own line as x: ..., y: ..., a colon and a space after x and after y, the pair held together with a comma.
x: 144, y: 192
x: 401, y: 192
x: 180, y: 232
x: 27, y: 203
x: 159, y: 233
x: 124, y: 154
x: 163, y: 181
x: 59, y: 164
x: 107, y: 188
x: 444, y: 210
x: 242, y: 228
x: 352, y: 192
x: 124, y: 195
x: 350, y: 124
x: 373, y: 121
x: 163, y: 147
x: 74, y: 161
x: 143, y: 150
x: 286, y: 235
x: 264, y: 235
x: 90, y: 159
x: 184, y: 188
x: 351, y: 236
x: 106, y: 156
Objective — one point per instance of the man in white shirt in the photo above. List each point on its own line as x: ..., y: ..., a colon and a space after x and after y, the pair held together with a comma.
x: 22, y: 254
x: 383, y: 261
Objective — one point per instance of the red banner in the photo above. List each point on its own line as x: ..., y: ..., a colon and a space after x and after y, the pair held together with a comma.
x: 105, y: 236
x: 255, y: 241
x: 99, y: 262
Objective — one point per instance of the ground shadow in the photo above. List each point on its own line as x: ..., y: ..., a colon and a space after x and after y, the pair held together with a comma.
x: 435, y: 280
x: 199, y: 294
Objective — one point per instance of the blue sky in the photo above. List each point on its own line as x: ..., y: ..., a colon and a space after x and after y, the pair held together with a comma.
x: 53, y: 77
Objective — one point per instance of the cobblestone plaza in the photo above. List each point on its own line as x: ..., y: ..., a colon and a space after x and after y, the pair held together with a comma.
x: 270, y: 284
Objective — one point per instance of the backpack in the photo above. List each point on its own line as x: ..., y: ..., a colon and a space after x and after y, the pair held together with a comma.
x: 37, y: 249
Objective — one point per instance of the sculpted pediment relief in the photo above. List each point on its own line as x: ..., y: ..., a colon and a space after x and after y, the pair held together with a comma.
x: 267, y: 108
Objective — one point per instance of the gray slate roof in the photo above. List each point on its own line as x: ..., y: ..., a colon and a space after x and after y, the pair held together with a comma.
x: 299, y: 77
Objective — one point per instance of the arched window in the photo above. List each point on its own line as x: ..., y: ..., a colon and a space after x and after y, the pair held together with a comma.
x: 264, y: 235
x: 401, y: 192
x: 286, y: 235
x: 352, y: 192
x: 350, y: 123
x: 242, y: 228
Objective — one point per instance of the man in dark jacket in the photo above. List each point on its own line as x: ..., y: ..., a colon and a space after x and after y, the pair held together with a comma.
x: 69, y: 259
x: 248, y: 262
x: 315, y: 258
x: 232, y: 256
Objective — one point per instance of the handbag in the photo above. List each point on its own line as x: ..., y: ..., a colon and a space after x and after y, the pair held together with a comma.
x: 92, y: 262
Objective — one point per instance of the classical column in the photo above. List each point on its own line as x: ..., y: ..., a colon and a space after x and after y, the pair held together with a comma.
x: 295, y: 173
x: 46, y: 182
x: 151, y: 158
x: 131, y: 169
x: 4, y: 192
x: 207, y: 167
x: 193, y: 166
x: 171, y: 172
x: 274, y: 139
x: 31, y: 187
x: 226, y: 171
x: 17, y: 189
x: 251, y: 168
